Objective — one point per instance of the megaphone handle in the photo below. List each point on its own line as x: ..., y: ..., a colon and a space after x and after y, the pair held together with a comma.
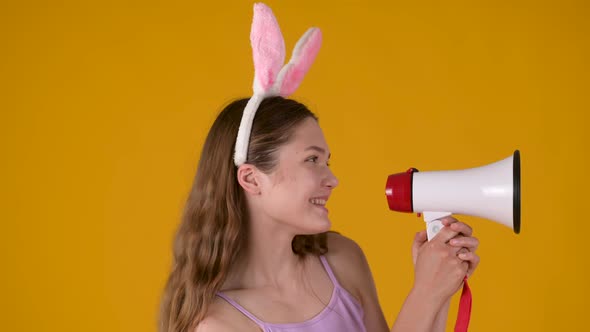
x: 433, y: 226
x: 433, y: 222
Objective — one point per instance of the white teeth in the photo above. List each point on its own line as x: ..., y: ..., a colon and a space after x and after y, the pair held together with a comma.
x: 318, y: 201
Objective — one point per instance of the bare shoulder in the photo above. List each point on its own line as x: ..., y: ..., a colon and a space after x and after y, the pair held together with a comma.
x: 342, y: 248
x: 213, y: 324
x: 221, y: 317
x: 349, y: 264
x: 354, y: 274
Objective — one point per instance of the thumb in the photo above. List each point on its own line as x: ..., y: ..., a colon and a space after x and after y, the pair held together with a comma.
x: 420, y: 238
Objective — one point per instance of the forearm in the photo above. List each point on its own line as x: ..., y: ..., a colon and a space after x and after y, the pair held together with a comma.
x: 418, y: 314
x: 440, y: 322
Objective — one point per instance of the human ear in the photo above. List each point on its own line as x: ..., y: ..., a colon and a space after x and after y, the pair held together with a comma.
x: 247, y: 178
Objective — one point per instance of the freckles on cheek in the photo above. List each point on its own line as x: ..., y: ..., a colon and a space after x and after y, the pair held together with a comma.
x: 285, y: 177
x: 291, y: 178
x: 281, y: 177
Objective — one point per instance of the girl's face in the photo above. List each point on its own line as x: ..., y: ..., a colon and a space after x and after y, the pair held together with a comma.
x: 296, y: 192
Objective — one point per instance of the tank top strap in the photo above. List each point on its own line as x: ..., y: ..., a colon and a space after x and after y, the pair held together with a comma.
x: 329, y: 270
x: 242, y: 310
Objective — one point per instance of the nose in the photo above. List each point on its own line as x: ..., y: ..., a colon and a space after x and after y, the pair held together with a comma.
x: 330, y: 180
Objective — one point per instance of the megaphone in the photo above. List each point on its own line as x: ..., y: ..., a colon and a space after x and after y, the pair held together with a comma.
x: 491, y: 192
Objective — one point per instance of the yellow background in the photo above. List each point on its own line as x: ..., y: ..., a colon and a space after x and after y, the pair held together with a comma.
x: 105, y: 105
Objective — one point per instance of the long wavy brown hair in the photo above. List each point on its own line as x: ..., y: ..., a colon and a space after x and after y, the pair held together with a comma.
x: 215, y: 220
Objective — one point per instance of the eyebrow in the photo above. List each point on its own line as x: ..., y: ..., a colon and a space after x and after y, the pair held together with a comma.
x: 318, y: 149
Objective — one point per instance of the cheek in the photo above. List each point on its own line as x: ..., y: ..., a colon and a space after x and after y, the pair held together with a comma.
x: 291, y: 189
x: 281, y: 177
x: 290, y: 195
x: 289, y: 180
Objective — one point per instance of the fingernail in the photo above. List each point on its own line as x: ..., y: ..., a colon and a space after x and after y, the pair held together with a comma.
x: 454, y: 242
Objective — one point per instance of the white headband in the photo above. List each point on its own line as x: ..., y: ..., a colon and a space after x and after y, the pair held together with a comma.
x: 271, y: 78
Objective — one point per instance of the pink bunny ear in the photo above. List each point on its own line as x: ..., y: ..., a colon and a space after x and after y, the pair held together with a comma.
x: 303, y: 56
x: 268, y: 47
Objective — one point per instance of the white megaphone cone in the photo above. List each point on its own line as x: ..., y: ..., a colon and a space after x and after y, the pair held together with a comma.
x: 491, y: 191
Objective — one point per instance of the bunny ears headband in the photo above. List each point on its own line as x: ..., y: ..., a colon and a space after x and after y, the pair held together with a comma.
x: 271, y: 77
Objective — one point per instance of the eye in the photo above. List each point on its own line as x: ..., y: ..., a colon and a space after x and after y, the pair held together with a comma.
x: 313, y: 159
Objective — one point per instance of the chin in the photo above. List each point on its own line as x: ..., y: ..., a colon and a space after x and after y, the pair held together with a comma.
x: 317, y: 227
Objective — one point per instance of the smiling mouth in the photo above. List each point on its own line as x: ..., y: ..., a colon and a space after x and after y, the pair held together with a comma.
x: 318, y: 201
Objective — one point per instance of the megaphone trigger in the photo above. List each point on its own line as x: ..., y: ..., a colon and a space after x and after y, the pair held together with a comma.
x: 434, y: 223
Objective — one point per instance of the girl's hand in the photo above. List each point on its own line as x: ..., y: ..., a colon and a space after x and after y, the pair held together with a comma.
x: 465, y: 241
x: 439, y: 271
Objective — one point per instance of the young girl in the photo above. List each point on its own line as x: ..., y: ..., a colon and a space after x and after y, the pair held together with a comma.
x: 254, y: 251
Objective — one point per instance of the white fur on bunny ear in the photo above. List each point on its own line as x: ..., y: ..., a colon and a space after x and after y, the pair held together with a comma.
x: 303, y: 56
x: 268, y: 48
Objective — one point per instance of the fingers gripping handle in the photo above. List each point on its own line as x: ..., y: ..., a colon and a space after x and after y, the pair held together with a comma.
x: 433, y: 222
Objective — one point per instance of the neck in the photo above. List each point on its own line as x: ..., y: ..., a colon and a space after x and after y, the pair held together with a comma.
x: 267, y: 259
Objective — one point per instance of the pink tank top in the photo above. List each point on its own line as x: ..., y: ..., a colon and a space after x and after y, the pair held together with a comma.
x: 342, y: 314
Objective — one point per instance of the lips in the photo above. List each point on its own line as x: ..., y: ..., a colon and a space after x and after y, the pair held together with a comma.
x: 320, y: 202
